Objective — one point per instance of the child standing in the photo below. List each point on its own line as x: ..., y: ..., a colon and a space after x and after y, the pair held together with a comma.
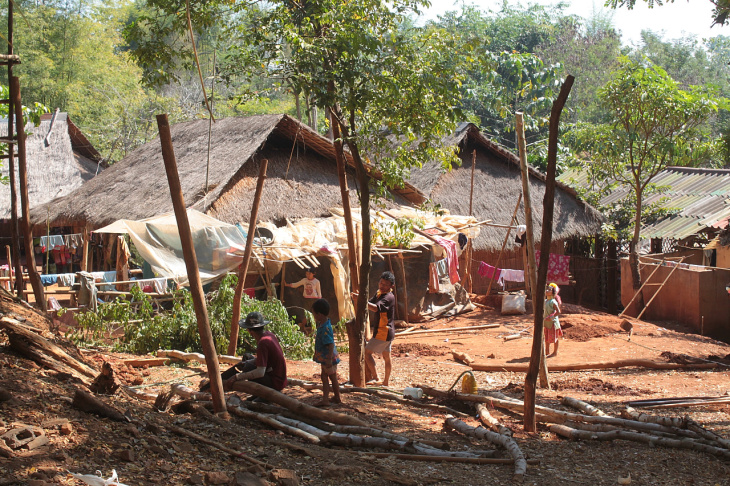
x: 325, y: 352
x: 550, y: 319
x: 311, y: 285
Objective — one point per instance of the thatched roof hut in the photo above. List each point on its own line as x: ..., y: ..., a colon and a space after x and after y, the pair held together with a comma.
x: 497, y: 187
x: 301, y: 180
x: 59, y: 157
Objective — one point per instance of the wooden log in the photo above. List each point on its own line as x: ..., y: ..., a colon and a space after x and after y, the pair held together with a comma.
x: 139, y: 394
x: 199, y: 357
x: 87, y: 402
x: 501, y: 440
x: 450, y: 329
x: 491, y: 422
x: 44, y: 352
x: 641, y: 363
x: 707, y: 434
x: 295, y: 405
x: 204, y: 440
x: 684, y: 443
x: 421, y: 457
x: 273, y: 423
x: 546, y: 414
x: 146, y: 362
x: 631, y: 414
x: 188, y: 394
x: 461, y: 357
x: 582, y: 406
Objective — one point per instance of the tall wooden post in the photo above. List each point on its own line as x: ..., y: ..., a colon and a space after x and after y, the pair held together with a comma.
x: 33, y: 276
x: 243, y: 268
x: 191, y: 263
x: 14, y: 227
x: 10, y: 267
x: 538, y: 348
x: 612, y: 268
x: 468, y: 252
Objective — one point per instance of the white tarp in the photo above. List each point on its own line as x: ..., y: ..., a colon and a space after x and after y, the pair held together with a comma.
x: 158, y: 241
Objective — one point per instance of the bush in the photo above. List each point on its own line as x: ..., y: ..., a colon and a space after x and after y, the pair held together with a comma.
x: 146, y: 331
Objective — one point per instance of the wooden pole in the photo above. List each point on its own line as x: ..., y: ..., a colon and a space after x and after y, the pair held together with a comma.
x: 85, y: 250
x: 538, y: 348
x: 243, y: 268
x: 14, y: 225
x: 467, y: 269
x: 504, y: 243
x: 33, y: 276
x: 282, y: 283
x: 612, y: 266
x: 10, y: 266
x: 405, y: 288
x: 345, y: 193
x: 191, y: 263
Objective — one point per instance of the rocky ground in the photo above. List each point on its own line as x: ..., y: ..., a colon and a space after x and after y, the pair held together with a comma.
x: 146, y: 451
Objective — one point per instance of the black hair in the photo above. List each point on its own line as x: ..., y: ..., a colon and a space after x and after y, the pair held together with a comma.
x: 321, y: 306
x: 309, y: 270
x: 389, y: 277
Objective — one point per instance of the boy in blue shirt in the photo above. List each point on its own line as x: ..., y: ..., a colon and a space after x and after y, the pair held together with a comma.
x: 325, y: 352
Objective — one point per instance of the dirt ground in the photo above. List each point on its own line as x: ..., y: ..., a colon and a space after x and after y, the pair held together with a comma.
x: 146, y: 452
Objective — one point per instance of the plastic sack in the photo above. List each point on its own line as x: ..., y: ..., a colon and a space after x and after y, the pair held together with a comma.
x: 513, y: 304
x: 98, y: 480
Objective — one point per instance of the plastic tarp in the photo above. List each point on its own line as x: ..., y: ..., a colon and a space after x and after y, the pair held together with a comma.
x: 218, y: 245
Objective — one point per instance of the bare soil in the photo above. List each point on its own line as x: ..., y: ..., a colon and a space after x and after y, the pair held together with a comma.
x: 145, y: 452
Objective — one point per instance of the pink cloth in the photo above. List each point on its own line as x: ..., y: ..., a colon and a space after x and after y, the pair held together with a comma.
x: 558, y: 268
x: 433, y: 278
x: 487, y: 271
x: 450, y: 248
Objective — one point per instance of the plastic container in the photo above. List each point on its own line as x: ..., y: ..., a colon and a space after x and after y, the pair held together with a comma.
x: 411, y: 392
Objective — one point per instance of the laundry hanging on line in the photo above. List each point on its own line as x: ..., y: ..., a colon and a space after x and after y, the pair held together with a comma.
x: 558, y: 268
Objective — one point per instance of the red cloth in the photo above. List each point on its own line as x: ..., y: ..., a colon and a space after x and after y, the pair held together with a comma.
x: 250, y: 292
x: 558, y: 268
x: 450, y: 248
x: 270, y: 356
x: 552, y: 334
x: 433, y: 278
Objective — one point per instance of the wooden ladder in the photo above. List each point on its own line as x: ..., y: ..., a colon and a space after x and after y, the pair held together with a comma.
x: 647, y: 283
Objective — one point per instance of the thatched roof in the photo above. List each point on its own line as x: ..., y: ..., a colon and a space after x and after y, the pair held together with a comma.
x: 301, y: 178
x: 497, y: 186
x: 59, y: 158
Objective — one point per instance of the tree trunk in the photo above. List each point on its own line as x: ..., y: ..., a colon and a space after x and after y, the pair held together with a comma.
x: 634, y: 256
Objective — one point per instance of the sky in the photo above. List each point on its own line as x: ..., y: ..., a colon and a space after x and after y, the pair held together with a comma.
x: 673, y: 20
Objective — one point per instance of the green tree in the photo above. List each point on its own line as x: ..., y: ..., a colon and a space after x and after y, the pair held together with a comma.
x: 392, y: 93
x: 654, y: 124
x: 719, y: 15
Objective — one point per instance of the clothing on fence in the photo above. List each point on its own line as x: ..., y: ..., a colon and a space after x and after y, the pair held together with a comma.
x: 558, y: 268
x: 487, y: 271
x: 450, y: 249
x: 511, y: 275
x: 66, y: 279
x: 51, y: 242
x: 49, y: 279
x: 74, y: 241
x: 108, y: 276
x: 442, y: 268
x: 158, y: 285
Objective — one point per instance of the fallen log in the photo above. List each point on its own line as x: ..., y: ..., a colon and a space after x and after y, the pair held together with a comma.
x: 188, y: 394
x: 630, y: 413
x: 204, y: 440
x: 138, y: 394
x: 492, y: 422
x: 146, y: 362
x: 422, y: 457
x: 501, y: 440
x: 684, y: 443
x: 86, y: 402
x: 545, y: 414
x: 450, y: 329
x: 44, y: 352
x: 640, y: 363
x: 200, y: 358
x: 273, y: 423
x: 295, y: 405
x: 582, y: 406
x: 707, y: 434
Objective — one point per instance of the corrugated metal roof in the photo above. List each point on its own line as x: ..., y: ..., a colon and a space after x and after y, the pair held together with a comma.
x: 699, y: 197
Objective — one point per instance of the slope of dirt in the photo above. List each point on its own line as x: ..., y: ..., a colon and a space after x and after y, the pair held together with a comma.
x: 146, y: 452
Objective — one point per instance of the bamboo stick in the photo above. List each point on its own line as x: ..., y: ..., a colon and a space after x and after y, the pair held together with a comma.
x: 202, y: 439
x: 582, y: 406
x: 491, y: 422
x: 450, y: 329
x: 645, y: 363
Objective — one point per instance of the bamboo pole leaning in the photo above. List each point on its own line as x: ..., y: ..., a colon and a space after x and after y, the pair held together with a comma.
x: 498, y: 439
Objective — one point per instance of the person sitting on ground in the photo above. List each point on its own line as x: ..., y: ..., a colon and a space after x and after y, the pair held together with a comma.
x: 325, y: 352
x: 383, y: 303
x: 268, y: 368
x: 550, y: 319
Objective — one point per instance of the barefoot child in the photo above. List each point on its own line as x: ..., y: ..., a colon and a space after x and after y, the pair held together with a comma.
x: 325, y: 352
x: 550, y: 319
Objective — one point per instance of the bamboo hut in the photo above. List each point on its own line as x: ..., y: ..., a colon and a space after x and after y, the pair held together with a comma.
x: 497, y: 187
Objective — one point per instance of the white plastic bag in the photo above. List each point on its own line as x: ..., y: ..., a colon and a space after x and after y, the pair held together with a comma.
x: 513, y: 304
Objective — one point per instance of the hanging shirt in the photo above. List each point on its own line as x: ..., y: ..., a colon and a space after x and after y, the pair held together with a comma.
x: 450, y: 249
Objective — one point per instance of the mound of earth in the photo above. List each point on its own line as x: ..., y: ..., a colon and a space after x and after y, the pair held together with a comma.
x: 596, y: 386
x: 582, y: 327
x: 417, y: 349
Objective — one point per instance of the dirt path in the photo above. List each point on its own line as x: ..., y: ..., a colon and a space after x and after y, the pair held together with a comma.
x: 145, y: 453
